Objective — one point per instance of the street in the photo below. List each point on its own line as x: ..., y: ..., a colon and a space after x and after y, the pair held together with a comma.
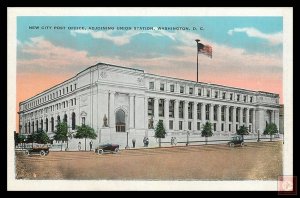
x: 255, y: 161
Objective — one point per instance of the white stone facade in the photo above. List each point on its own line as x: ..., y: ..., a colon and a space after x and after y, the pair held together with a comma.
x: 131, y: 100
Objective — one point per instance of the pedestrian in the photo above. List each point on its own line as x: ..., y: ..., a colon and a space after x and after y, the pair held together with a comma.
x: 91, y: 145
x: 79, y: 146
x: 144, y: 141
x: 147, y: 141
x: 133, y: 142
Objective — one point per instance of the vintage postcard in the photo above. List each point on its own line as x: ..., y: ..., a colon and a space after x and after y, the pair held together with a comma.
x: 150, y: 99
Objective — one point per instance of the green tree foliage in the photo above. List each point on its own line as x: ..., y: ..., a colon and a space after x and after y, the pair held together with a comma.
x: 206, y: 130
x: 85, y: 132
x: 242, y: 131
x: 271, y: 129
x: 160, y: 131
x: 61, y: 133
x: 40, y: 137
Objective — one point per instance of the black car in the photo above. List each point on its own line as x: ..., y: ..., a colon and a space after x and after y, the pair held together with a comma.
x: 111, y: 148
x: 236, y: 140
x: 42, y: 151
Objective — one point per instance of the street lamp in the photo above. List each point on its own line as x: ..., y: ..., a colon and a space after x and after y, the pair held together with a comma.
x: 127, y: 147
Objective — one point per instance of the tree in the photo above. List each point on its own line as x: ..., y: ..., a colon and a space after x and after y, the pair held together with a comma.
x: 242, y: 131
x: 271, y: 129
x: 85, y: 132
x: 61, y: 133
x: 40, y: 137
x: 206, y: 130
x: 160, y: 131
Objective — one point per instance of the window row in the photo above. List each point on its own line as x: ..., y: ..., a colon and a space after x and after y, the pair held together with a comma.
x: 216, y: 94
x: 51, y: 96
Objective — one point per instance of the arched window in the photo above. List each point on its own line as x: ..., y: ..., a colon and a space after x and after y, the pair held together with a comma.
x: 46, y: 124
x: 66, y: 118
x: 28, y: 127
x: 73, y: 121
x: 120, y: 121
x: 58, y: 119
x: 52, y: 124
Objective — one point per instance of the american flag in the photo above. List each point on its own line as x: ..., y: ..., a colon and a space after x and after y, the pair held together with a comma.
x: 205, y: 49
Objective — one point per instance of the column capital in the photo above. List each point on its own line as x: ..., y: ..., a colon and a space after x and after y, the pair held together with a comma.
x: 112, y: 92
x: 167, y: 99
x: 131, y: 95
x: 156, y: 98
x: 234, y: 107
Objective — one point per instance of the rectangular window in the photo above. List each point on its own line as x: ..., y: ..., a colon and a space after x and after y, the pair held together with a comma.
x: 215, y: 113
x: 223, y: 113
x: 199, y: 92
x: 71, y: 87
x: 150, y: 107
x: 63, y: 90
x: 151, y: 85
x: 224, y: 95
x: 191, y: 90
x: 67, y: 89
x: 236, y: 127
x: 83, y: 120
x: 231, y: 96
x: 162, y: 87
x: 251, y: 99
x: 207, y: 92
x: 222, y: 127
x: 75, y: 86
x: 60, y: 92
x: 74, y: 101
x: 229, y: 127
x: 245, y: 98
x: 171, y: 124
x: 190, y: 110
x: 237, y: 115
x: 244, y: 115
x: 250, y: 130
x: 161, y: 106
x: 171, y: 88
x: 238, y: 97
x: 207, y: 112
x: 180, y: 125
x: 190, y: 125
x: 251, y: 116
x: 171, y: 108
x: 230, y: 114
x: 216, y: 94
x: 181, y: 89
x: 215, y: 126
x: 198, y: 126
x: 199, y: 111
x: 181, y: 109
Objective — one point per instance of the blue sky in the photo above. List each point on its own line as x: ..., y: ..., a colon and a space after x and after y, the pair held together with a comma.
x: 247, y: 51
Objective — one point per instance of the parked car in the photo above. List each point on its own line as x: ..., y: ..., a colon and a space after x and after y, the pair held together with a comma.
x: 236, y: 140
x: 41, y: 150
x: 111, y: 148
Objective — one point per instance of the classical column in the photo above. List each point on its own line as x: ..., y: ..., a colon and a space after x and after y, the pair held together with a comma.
x: 272, y: 116
x: 195, y: 115
x: 156, y: 118
x: 131, y: 111
x: 276, y: 117
x: 203, y: 114
x: 241, y: 116
x: 219, y: 121
x: 146, y: 115
x: 112, y: 109
x: 166, y: 113
x: 186, y: 103
x: 234, y: 119
x: 260, y: 118
x: 227, y: 118
x: 176, y: 115
x: 253, y: 121
x: 211, y: 113
x: 247, y: 117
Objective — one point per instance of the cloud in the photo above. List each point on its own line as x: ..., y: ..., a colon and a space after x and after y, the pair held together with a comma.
x: 122, y: 39
x: 274, y: 39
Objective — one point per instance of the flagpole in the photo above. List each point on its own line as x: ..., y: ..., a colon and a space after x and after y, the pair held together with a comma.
x: 197, y: 41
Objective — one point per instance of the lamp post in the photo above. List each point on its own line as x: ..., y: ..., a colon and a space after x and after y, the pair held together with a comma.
x: 197, y: 41
x: 127, y: 147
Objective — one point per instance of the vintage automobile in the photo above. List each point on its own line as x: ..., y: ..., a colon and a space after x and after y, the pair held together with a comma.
x: 111, y: 148
x: 236, y: 140
x: 40, y: 150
